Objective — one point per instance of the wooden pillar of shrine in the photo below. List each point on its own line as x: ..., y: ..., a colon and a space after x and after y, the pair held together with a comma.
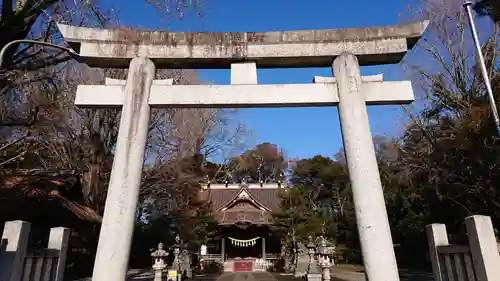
x: 263, y: 248
x: 223, y: 249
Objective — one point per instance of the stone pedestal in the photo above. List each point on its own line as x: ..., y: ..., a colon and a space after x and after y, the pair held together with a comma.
x: 314, y: 277
x: 326, y: 266
x: 158, y: 268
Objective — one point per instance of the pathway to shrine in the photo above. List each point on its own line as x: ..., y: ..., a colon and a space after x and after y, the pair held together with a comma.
x: 258, y: 276
x: 339, y: 273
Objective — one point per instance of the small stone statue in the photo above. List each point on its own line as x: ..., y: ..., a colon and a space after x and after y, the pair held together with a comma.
x: 185, y: 262
x: 176, y: 265
x: 159, y: 261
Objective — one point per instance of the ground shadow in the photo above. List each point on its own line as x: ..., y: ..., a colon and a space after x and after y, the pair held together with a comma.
x: 413, y: 275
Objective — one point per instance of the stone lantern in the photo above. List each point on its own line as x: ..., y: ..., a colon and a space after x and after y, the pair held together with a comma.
x: 322, y: 250
x: 313, y: 272
x: 324, y: 260
x: 159, y: 261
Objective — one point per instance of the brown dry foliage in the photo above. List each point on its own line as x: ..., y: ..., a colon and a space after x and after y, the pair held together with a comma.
x: 457, y: 114
x: 80, y: 139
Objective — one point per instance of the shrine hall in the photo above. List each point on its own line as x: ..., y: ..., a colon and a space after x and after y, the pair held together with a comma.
x: 244, y: 214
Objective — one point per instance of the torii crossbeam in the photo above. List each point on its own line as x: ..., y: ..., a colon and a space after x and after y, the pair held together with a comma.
x: 342, y: 49
x: 244, y: 96
x: 278, y: 49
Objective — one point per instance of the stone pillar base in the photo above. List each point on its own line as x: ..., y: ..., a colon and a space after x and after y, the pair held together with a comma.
x: 314, y: 277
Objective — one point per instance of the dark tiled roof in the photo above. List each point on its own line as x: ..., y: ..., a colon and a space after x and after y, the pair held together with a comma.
x: 220, y: 197
x: 269, y: 197
x: 244, y: 210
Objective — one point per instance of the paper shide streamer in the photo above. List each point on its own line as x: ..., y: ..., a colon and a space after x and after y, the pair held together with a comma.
x: 244, y: 243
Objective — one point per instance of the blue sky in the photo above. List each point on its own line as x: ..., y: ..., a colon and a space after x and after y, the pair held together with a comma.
x: 300, y: 132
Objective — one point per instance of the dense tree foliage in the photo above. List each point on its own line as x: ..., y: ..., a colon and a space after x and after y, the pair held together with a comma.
x: 489, y: 7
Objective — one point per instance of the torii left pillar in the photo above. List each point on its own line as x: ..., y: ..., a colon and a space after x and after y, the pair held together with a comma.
x: 113, y: 250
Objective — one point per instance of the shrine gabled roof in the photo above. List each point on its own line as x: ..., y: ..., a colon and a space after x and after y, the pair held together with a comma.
x: 245, y: 195
x: 267, y: 197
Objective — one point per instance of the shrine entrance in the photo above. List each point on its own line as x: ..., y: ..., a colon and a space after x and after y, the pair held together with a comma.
x: 244, y: 239
x: 247, y: 246
x: 243, y: 243
x: 251, y: 248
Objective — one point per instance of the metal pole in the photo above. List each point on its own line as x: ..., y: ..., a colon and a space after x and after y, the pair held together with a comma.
x: 467, y: 5
x: 15, y: 42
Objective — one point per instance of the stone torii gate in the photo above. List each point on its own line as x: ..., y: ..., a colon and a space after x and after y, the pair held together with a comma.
x: 342, y: 49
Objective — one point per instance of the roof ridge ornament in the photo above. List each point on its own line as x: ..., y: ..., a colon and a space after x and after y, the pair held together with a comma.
x: 243, y: 195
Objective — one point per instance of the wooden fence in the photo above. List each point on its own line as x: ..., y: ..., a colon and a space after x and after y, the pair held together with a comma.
x: 18, y: 263
x: 479, y: 260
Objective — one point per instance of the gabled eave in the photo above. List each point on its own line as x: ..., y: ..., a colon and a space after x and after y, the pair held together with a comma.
x: 250, y: 198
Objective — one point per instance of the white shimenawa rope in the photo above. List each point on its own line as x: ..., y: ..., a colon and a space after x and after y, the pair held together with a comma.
x: 244, y: 243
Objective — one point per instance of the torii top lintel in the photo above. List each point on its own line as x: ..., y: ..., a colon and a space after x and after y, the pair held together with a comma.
x: 212, y: 50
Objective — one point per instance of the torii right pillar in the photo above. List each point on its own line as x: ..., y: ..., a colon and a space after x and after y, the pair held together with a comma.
x: 371, y: 213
